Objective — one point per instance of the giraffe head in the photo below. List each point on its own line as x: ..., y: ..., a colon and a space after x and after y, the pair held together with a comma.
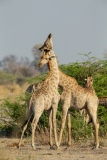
x: 48, y: 44
x: 89, y: 81
x: 48, y: 55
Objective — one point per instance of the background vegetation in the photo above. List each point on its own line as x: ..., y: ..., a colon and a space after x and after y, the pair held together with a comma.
x: 14, y: 108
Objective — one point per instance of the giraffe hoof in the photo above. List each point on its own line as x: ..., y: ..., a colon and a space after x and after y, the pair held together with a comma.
x: 65, y: 149
x: 33, y: 147
x: 95, y: 148
x: 18, y: 146
x: 69, y: 144
x: 53, y: 147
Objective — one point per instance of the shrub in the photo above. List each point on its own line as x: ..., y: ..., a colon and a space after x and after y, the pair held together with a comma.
x: 6, y: 78
x: 98, y: 68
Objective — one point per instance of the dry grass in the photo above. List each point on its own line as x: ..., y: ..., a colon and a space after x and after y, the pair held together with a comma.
x: 78, y: 151
x: 12, y: 90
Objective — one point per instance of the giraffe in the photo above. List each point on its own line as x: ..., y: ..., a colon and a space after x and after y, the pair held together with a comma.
x: 81, y: 98
x: 74, y: 96
x: 45, y: 98
x: 83, y: 112
x: 102, y: 102
x: 88, y: 81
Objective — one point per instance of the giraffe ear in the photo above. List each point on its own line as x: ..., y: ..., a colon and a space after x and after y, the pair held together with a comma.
x: 85, y: 79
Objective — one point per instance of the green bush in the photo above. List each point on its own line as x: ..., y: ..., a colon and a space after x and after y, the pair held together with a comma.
x: 14, y: 111
x: 98, y: 69
x: 102, y: 117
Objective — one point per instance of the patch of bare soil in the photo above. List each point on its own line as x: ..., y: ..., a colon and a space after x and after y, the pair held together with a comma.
x: 78, y: 151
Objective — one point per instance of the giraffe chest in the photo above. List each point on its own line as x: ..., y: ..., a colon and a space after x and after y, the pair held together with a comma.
x: 50, y: 99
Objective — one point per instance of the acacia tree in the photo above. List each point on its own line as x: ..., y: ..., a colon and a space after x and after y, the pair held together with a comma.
x: 11, y: 64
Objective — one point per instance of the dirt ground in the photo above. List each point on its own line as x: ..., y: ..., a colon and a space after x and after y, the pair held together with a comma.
x: 78, y: 151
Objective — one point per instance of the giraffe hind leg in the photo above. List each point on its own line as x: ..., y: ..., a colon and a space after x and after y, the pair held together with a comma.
x: 54, y: 110
x: 24, y: 126
x: 50, y: 129
x: 69, y: 127
x: 96, y: 127
x: 64, y: 116
x: 93, y: 115
x: 34, y: 124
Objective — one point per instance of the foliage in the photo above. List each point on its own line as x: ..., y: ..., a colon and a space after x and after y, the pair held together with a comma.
x: 91, y: 65
x: 102, y: 117
x: 79, y: 128
x: 15, y: 108
x: 8, y: 78
x: 14, y: 111
x: 37, y: 79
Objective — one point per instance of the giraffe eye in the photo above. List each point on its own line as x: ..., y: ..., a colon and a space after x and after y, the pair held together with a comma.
x: 46, y: 51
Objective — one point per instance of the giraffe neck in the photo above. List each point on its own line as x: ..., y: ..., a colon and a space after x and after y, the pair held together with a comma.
x: 90, y: 88
x: 53, y: 71
x: 65, y: 80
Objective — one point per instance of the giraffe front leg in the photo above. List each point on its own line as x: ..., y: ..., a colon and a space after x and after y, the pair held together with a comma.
x: 64, y: 115
x: 96, y: 127
x: 34, y: 124
x: 50, y: 129
x: 24, y: 128
x: 93, y: 115
x: 69, y: 127
x: 54, y: 110
x: 28, y: 115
